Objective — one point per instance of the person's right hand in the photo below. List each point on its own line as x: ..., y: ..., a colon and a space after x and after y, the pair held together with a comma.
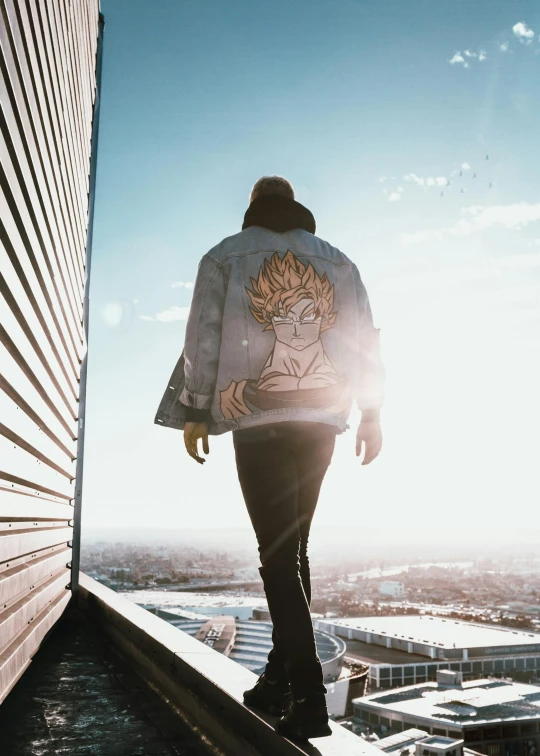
x: 369, y: 436
x: 192, y: 433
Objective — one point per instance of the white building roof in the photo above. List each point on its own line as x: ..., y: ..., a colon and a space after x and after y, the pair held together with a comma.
x: 477, y: 701
x: 193, y: 601
x: 439, y: 631
x: 399, y: 740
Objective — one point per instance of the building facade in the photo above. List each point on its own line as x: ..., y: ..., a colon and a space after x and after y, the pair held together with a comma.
x: 248, y: 642
x: 51, y: 54
x: 411, y: 649
x: 391, y: 588
x: 493, y: 717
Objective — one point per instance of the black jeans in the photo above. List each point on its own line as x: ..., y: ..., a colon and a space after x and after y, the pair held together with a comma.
x: 281, y: 468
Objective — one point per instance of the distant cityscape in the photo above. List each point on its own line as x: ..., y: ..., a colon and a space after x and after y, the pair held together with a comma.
x: 431, y: 657
x: 504, y: 591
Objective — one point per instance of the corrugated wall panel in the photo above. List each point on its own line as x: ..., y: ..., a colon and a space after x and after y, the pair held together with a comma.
x: 48, y: 91
x: 30, y: 541
x: 15, y: 657
x: 19, y: 581
x: 27, y: 507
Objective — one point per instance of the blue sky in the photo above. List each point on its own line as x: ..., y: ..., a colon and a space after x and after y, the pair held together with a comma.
x: 372, y: 109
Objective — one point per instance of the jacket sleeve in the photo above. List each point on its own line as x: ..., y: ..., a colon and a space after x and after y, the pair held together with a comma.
x: 194, y: 415
x: 369, y: 389
x: 203, y: 335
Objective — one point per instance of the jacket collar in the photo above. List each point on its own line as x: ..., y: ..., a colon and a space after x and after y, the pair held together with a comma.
x: 279, y: 214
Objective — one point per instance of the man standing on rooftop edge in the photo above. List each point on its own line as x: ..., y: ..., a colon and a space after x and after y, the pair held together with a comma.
x: 279, y: 343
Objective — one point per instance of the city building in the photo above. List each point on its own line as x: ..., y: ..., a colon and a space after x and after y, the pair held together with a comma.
x: 494, y: 717
x: 391, y: 588
x: 219, y: 633
x: 261, y: 613
x: 410, y: 649
x: 415, y: 742
x: 248, y: 642
x: 208, y: 604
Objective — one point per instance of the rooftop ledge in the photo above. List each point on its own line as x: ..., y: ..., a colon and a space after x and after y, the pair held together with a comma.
x: 201, y: 685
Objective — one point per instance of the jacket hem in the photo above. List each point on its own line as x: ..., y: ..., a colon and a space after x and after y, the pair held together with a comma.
x: 218, y: 427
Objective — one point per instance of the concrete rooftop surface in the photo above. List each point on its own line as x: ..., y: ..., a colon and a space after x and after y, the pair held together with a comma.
x: 77, y: 698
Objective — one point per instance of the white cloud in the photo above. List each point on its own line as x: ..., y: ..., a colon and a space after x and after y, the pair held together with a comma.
x: 182, y: 285
x: 394, y: 197
x: 382, y: 179
x: 504, y: 47
x: 428, y: 181
x: 170, y: 315
x: 465, y: 167
x: 458, y: 58
x: 477, y: 218
x: 509, y: 216
x: 523, y: 33
x: 414, y: 179
x: 464, y: 58
x: 481, y: 55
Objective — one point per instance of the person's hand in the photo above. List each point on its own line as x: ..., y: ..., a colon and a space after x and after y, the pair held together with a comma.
x: 192, y: 433
x: 369, y: 435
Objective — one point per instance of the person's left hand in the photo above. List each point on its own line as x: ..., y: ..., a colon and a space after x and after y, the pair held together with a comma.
x: 369, y: 435
x: 192, y: 433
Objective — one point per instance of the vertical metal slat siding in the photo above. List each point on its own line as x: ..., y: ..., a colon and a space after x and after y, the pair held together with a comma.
x: 48, y: 87
x: 86, y: 311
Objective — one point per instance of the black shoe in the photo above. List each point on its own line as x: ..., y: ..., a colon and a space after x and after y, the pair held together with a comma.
x: 304, y: 718
x: 267, y: 696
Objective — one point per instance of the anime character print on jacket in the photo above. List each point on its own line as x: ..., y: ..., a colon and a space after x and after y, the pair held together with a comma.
x: 292, y: 299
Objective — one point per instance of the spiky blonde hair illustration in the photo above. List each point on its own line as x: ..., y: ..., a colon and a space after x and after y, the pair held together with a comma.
x: 282, y: 283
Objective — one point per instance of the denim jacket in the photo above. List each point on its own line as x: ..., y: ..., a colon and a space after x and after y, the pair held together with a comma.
x: 280, y: 328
